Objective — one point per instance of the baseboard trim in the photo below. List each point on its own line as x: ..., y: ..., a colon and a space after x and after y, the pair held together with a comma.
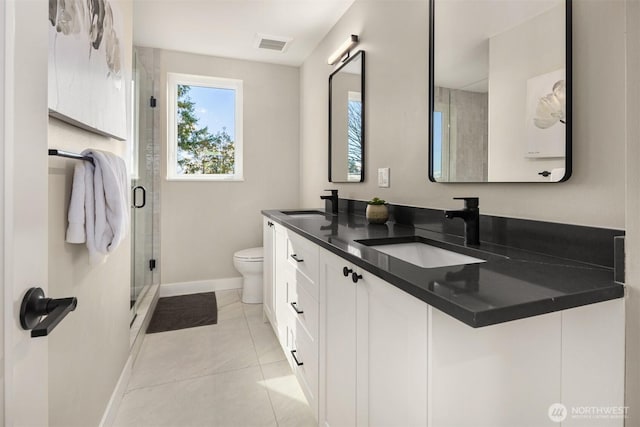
x: 186, y: 288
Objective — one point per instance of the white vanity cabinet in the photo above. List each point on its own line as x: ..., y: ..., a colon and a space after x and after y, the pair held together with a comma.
x: 501, y: 375
x: 367, y: 353
x: 282, y: 278
x: 302, y: 258
x: 338, y: 348
x: 294, y: 289
x: 373, y: 348
x: 268, y: 270
x: 275, y: 277
x: 509, y: 374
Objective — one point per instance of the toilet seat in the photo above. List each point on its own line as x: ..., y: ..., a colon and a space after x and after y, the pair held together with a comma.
x: 250, y: 255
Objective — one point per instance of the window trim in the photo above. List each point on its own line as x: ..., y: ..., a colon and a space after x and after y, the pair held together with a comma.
x: 175, y: 79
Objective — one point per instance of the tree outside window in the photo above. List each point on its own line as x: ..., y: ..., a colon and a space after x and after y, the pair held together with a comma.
x: 205, y: 128
x: 199, y: 150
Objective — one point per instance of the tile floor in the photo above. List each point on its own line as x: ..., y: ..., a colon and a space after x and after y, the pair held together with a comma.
x: 233, y: 374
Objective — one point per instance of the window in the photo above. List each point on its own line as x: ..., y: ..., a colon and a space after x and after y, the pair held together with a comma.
x: 204, y: 128
x: 437, y: 144
x: 354, y: 124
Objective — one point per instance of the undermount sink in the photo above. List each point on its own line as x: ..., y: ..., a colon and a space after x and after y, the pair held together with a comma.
x: 423, y: 254
x: 304, y: 214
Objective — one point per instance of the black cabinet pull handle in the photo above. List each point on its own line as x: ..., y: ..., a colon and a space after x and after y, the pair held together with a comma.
x: 297, y: 310
x: 293, y: 353
x: 346, y: 271
x: 544, y: 173
x: 295, y: 257
x: 355, y: 277
x: 269, y: 223
x: 35, y: 305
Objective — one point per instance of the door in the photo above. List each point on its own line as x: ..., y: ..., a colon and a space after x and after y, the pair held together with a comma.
x: 514, y: 366
x: 282, y: 278
x: 142, y: 184
x: 392, y: 337
x: 268, y: 242
x: 23, y: 193
x: 374, y: 345
x: 338, y: 343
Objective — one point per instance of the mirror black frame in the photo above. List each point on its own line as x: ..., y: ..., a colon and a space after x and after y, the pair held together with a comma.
x: 361, y: 55
x: 569, y: 94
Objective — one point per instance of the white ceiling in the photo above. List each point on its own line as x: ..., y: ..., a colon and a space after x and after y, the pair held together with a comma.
x: 229, y: 28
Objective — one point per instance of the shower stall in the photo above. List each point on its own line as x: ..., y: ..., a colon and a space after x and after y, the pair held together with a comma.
x: 144, y: 180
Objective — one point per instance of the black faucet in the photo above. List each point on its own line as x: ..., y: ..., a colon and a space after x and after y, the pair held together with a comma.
x: 471, y: 216
x: 334, y: 201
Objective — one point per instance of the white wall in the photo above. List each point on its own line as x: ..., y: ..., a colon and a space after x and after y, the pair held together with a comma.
x: 632, y: 391
x: 204, y: 223
x: 510, y: 66
x: 3, y: 5
x: 88, y: 350
x: 394, y: 34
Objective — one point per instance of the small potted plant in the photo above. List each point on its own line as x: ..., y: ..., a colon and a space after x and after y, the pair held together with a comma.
x: 377, y: 211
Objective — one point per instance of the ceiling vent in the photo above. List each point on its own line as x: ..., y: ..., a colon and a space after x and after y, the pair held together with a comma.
x: 276, y: 43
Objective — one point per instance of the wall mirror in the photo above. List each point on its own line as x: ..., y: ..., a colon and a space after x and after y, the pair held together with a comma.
x: 346, y: 121
x: 500, y: 90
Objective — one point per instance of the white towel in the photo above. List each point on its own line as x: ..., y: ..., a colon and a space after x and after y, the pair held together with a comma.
x: 106, y: 204
x: 76, y: 230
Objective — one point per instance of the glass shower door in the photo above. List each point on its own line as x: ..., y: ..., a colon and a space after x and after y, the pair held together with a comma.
x: 142, y: 184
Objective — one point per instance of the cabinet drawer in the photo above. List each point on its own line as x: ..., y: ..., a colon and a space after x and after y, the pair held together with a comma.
x: 304, y: 307
x: 307, y: 373
x: 303, y: 255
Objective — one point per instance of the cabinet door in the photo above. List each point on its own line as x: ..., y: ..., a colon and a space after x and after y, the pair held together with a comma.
x: 593, y: 364
x: 268, y: 243
x: 503, y: 375
x: 282, y: 280
x: 337, y: 344
x: 392, y: 355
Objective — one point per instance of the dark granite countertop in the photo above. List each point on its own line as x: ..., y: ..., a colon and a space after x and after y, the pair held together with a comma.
x: 512, y: 283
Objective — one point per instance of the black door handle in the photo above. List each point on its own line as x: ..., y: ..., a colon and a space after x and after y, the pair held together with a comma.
x: 346, y: 271
x: 295, y: 257
x: 355, y: 277
x: 144, y: 196
x: 35, y: 305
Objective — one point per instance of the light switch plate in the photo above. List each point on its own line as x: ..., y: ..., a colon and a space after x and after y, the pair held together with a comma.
x: 383, y: 177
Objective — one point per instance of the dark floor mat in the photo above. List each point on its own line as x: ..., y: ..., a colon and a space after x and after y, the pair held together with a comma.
x: 184, y: 311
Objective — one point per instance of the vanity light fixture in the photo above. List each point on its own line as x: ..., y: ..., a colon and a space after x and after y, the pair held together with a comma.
x: 343, y: 50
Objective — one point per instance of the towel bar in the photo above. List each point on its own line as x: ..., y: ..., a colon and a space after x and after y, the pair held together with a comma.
x: 68, y: 155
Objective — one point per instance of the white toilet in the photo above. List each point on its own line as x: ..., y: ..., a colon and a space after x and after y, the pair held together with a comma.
x: 249, y: 263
